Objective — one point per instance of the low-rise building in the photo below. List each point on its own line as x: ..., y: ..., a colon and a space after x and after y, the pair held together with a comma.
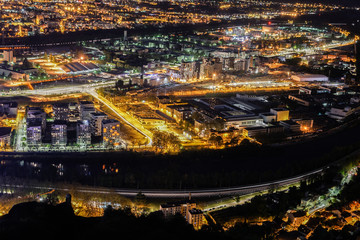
x: 309, y: 78
x: 282, y: 114
x: 173, y: 208
x: 12, y: 74
x: 302, y: 100
x: 5, y: 136
x: 244, y: 122
x: 342, y: 112
x: 268, y: 117
x: 290, y: 125
x: 180, y: 112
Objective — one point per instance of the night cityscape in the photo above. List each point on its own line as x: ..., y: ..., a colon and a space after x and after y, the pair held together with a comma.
x: 174, y: 119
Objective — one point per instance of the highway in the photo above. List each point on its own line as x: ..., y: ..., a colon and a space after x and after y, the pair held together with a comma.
x: 70, y: 89
x: 217, y: 192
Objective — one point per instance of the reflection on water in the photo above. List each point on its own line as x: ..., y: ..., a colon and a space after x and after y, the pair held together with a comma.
x: 69, y: 171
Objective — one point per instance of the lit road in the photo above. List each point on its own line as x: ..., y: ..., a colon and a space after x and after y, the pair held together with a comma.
x: 137, y: 126
x: 218, y: 192
x: 86, y: 88
x: 57, y: 90
x: 309, y: 51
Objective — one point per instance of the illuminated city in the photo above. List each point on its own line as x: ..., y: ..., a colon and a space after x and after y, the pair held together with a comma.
x: 228, y: 119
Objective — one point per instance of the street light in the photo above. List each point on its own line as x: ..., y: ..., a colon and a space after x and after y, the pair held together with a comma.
x: 214, y: 77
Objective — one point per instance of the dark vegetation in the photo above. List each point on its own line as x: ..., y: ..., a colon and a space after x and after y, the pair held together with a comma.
x: 276, y: 204
x: 244, y: 164
x: 51, y: 219
x: 33, y: 219
x: 94, y: 35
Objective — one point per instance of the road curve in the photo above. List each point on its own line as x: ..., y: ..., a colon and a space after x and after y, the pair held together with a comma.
x: 218, y: 192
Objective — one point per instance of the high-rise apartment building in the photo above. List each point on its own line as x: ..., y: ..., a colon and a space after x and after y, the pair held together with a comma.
x: 59, y: 133
x: 96, y: 122
x: 111, y: 132
x: 61, y: 111
x: 83, y: 133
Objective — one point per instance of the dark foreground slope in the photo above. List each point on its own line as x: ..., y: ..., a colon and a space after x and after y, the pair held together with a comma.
x: 33, y: 220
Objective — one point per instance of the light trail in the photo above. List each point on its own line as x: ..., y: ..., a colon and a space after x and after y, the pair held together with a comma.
x: 217, y: 192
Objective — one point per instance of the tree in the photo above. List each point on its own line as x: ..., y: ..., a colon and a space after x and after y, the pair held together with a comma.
x: 218, y: 141
x: 164, y: 141
x: 52, y: 198
x: 218, y: 124
x: 293, y: 61
x: 26, y: 64
x: 234, y: 141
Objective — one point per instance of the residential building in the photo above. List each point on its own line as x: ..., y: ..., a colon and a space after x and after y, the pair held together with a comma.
x: 173, y: 208
x: 9, y: 108
x: 96, y: 119
x: 196, y: 218
x: 59, y: 133
x: 61, y: 111
x: 5, y: 136
x: 83, y: 133
x: 86, y: 108
x: 36, y: 113
x: 111, y: 132
x: 8, y: 56
x: 34, y: 132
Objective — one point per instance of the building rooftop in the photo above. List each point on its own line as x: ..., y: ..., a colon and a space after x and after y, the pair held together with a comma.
x: 59, y: 122
x: 33, y: 122
x: 175, y: 204
x: 280, y: 109
x: 60, y: 105
x: 195, y: 211
x: 98, y: 114
x: 107, y: 121
x: 289, y: 122
x: 4, y: 131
